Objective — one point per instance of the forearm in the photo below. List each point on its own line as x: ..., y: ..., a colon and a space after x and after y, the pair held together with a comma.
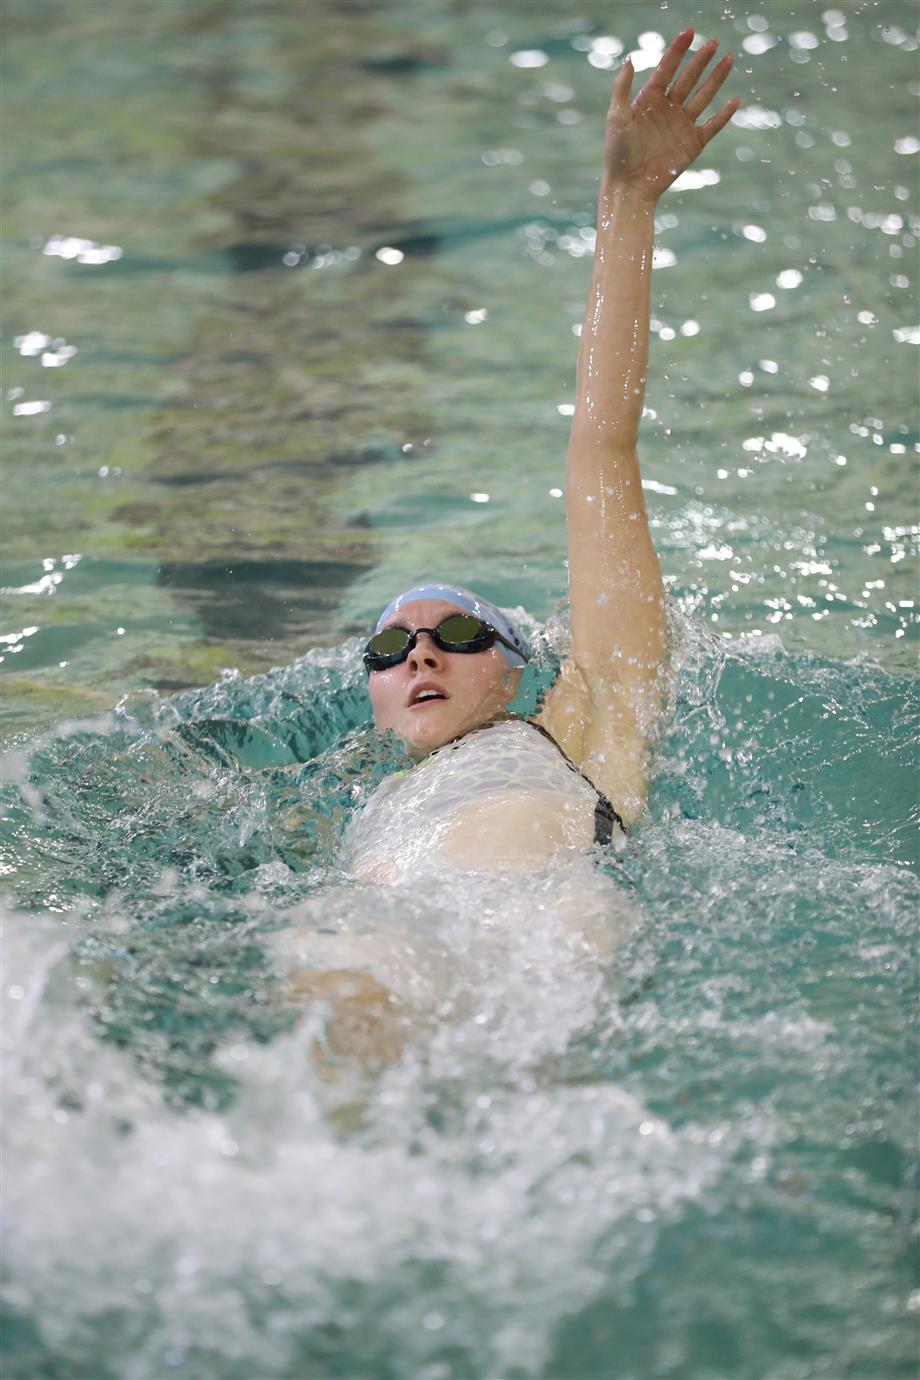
x: 613, y: 357
x: 366, y: 1024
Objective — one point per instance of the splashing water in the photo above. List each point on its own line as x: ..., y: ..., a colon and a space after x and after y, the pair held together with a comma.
x: 646, y: 1117
x: 694, y: 1047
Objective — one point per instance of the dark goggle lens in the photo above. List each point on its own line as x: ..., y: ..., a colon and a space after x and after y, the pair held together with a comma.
x: 389, y: 642
x: 461, y: 628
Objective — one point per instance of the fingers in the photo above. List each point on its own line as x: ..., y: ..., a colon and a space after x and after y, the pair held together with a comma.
x: 721, y: 118
x: 683, y: 81
x: 688, y: 77
x: 673, y: 57
x: 621, y: 92
x: 701, y: 98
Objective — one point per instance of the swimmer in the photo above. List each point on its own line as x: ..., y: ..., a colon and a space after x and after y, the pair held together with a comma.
x: 492, y: 791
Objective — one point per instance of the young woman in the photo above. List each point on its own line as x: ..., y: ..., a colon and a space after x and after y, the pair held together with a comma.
x: 444, y: 664
x: 490, y: 790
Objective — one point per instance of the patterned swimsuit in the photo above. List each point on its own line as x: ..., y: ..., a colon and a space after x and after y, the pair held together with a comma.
x: 411, y: 814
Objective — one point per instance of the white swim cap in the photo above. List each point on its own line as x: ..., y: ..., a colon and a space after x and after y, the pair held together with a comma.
x: 472, y: 603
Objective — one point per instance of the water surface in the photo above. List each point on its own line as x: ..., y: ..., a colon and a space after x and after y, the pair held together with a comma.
x: 315, y: 340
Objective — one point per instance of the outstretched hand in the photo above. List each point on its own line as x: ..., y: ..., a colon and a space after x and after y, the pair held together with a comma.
x: 652, y: 139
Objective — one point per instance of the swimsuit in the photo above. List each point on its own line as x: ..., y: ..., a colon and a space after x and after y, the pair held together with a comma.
x: 605, y: 816
x: 412, y: 813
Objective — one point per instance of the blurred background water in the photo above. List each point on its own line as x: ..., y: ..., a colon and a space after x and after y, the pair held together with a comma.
x: 291, y: 300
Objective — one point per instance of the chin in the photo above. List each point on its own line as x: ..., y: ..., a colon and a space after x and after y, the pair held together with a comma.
x: 426, y: 737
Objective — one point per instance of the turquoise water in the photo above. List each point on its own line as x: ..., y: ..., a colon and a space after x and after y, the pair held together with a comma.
x: 694, y: 1158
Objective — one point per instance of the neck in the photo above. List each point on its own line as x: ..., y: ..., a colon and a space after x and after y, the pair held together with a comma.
x: 477, y: 728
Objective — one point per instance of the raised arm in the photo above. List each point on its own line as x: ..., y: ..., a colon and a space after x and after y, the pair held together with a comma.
x: 603, y: 707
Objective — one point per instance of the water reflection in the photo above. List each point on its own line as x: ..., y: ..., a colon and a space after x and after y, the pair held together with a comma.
x: 230, y: 402
x: 83, y: 251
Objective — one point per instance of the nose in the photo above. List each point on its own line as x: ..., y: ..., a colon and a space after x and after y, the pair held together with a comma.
x: 425, y: 654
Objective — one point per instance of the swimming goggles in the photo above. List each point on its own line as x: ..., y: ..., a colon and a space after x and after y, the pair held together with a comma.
x: 458, y: 632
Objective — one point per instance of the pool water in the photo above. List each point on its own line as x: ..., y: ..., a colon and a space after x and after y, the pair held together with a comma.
x: 316, y: 339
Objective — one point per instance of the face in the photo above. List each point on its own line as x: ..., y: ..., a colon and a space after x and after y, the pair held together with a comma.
x: 472, y: 687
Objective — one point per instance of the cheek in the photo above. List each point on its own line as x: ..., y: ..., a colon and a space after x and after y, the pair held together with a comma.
x: 493, y: 679
x: 385, y: 698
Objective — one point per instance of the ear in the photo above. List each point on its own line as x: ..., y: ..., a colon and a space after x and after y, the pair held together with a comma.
x: 512, y: 680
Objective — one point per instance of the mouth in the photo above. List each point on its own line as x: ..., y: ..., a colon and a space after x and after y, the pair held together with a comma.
x: 426, y: 694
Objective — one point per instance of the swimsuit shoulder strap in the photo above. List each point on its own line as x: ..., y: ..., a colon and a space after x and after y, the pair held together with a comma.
x: 605, y: 816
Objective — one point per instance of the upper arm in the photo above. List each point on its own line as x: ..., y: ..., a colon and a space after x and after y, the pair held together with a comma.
x: 615, y: 588
x: 607, y: 702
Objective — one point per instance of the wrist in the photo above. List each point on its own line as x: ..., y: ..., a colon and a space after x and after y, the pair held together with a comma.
x: 614, y: 193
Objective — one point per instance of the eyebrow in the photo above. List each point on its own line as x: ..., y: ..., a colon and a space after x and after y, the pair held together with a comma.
x: 407, y: 627
x: 421, y: 627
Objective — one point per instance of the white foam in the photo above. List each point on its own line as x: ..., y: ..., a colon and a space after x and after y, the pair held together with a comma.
x: 137, y: 1234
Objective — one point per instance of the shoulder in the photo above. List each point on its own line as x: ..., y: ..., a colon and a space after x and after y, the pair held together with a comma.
x: 605, y: 727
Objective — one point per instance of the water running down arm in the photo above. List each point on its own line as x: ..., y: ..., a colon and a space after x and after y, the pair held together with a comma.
x: 602, y: 708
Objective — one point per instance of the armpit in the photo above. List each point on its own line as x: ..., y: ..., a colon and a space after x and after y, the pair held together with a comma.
x: 597, y: 723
